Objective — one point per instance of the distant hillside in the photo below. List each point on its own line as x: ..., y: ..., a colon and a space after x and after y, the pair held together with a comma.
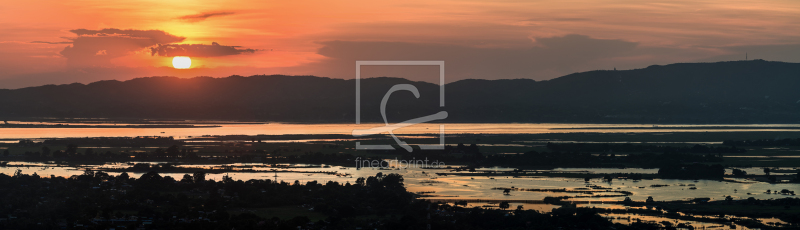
x: 724, y: 92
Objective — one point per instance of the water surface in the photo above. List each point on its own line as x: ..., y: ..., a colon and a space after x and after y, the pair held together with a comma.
x: 450, y: 128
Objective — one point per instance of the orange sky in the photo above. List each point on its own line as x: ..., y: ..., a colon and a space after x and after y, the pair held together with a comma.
x: 477, y: 39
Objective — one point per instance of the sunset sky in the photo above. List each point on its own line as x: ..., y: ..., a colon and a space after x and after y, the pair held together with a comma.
x: 58, y: 42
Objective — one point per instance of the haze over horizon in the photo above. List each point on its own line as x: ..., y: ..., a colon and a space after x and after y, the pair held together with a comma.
x: 53, y: 42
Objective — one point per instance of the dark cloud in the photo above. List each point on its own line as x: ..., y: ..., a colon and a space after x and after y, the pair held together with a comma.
x: 559, y: 19
x: 44, y: 42
x: 157, y: 36
x: 202, y: 16
x: 197, y: 50
x: 98, y: 47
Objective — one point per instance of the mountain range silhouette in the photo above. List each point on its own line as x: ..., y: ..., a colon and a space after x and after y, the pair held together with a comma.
x: 723, y: 92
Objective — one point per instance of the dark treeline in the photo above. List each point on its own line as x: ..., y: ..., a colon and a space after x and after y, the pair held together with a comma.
x: 452, y: 153
x: 96, y: 200
x: 175, y: 152
x: 724, y: 92
x: 764, y: 142
x: 585, y: 159
x: 111, y: 141
x: 626, y: 148
x: 671, y: 164
x: 72, y: 152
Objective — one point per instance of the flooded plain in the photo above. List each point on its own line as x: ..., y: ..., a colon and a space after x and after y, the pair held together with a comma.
x: 484, y: 191
x: 426, y: 181
x: 431, y: 183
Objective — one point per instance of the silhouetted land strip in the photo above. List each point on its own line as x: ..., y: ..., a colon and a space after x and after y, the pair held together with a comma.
x: 218, y: 169
x: 522, y: 201
x: 105, y: 126
x: 133, y: 121
x: 687, y: 127
x: 675, y: 160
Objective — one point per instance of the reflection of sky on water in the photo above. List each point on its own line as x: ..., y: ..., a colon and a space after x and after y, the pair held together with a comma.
x: 513, y: 206
x: 450, y: 128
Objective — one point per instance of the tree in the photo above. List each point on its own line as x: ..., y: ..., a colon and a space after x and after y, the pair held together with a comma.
x: 187, y: 179
x: 124, y: 176
x: 199, y: 177
x: 462, y: 203
x: 507, y: 192
x: 361, y: 181
x: 151, y: 176
x: 393, y: 181
x: 766, y: 171
x: 650, y: 199
x: 739, y: 172
x: 504, y: 205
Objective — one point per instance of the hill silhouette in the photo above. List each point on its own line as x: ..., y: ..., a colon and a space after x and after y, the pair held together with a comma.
x: 724, y: 92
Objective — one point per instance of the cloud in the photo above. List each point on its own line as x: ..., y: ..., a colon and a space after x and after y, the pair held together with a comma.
x: 98, y: 47
x: 157, y: 36
x: 45, y: 42
x: 197, y: 50
x: 557, y: 19
x: 545, y: 58
x: 202, y: 16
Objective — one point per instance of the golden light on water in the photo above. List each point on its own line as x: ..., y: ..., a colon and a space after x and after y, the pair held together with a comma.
x: 181, y: 62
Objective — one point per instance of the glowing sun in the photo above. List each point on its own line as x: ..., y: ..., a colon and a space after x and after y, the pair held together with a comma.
x: 181, y: 62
